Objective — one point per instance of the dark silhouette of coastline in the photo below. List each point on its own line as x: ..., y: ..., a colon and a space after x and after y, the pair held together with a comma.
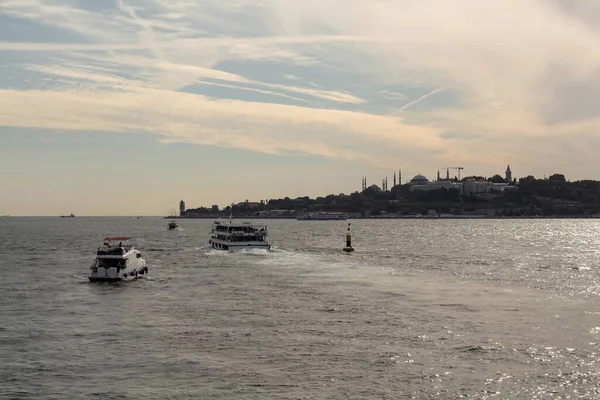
x: 552, y: 197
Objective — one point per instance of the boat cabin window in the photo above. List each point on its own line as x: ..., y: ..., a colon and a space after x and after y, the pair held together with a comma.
x: 112, y: 263
x: 111, y: 251
x: 245, y: 238
x: 246, y: 229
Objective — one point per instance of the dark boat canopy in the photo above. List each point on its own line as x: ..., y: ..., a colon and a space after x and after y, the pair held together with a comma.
x: 111, y: 251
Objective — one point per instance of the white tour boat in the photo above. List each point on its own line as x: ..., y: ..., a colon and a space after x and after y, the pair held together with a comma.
x: 238, y: 236
x: 117, y: 262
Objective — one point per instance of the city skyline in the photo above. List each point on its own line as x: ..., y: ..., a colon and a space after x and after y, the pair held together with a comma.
x: 120, y: 108
x: 176, y: 206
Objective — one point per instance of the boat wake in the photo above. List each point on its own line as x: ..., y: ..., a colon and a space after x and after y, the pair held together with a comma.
x: 292, y: 258
x: 81, y: 278
x: 188, y: 249
x: 252, y: 252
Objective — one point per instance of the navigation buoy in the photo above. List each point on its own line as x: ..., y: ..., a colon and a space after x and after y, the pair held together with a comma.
x: 348, y: 247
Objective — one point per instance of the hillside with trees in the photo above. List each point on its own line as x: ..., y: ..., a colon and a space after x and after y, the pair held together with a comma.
x: 553, y: 196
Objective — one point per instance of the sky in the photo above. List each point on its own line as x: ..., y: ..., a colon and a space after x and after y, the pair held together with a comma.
x: 124, y: 107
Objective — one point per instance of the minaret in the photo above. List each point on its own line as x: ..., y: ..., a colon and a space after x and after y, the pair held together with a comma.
x: 400, y: 177
x: 394, y: 178
x: 386, y: 184
x: 508, y: 177
x: 448, y: 174
x: 181, y: 207
x: 438, y: 176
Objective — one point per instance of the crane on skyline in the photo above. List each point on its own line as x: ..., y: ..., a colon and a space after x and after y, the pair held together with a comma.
x: 456, y: 168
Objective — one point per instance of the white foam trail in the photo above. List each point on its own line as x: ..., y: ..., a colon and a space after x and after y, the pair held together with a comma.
x: 213, y: 252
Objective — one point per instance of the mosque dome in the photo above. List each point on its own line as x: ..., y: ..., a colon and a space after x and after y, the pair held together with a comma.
x: 419, y: 180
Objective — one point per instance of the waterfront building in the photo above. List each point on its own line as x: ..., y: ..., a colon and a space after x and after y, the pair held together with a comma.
x: 419, y: 180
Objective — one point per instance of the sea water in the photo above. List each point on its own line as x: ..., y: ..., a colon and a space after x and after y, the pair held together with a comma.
x: 485, y: 309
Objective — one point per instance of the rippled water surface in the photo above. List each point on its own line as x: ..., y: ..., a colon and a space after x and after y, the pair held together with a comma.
x: 502, y: 309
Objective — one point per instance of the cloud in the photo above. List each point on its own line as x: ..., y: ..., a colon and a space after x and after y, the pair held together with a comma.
x: 270, y: 128
x: 391, y: 95
x: 67, y: 47
x: 146, y: 34
x: 523, y: 75
x: 178, y: 76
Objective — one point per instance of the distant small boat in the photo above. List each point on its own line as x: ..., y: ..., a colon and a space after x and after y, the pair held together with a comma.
x: 68, y: 216
x: 172, y: 225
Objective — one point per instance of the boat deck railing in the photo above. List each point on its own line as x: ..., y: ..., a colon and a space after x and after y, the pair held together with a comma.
x: 242, y: 233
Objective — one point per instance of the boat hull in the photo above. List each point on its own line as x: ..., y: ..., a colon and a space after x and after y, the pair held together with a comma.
x: 131, y: 277
x: 128, y: 275
x: 99, y: 279
x: 232, y: 246
x: 112, y: 275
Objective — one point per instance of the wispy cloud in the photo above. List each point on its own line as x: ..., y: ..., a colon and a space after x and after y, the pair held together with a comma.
x: 259, y: 127
x: 146, y: 33
x: 131, y: 62
x: 391, y: 95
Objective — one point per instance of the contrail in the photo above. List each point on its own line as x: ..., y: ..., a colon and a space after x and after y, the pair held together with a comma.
x: 420, y: 99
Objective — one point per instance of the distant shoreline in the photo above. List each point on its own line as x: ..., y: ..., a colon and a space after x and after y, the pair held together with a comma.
x: 462, y: 217
x: 479, y: 216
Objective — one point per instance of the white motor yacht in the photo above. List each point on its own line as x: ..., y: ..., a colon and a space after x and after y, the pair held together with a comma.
x: 117, y: 261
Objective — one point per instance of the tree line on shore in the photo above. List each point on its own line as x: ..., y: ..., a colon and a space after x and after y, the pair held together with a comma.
x: 545, y: 197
